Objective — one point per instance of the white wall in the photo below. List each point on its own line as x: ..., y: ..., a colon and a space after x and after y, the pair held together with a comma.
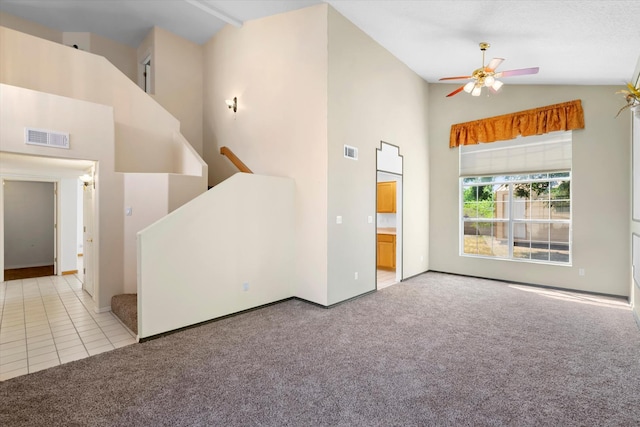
x: 29, y: 217
x: 600, y: 186
x: 373, y: 97
x: 277, y: 68
x: 194, y: 263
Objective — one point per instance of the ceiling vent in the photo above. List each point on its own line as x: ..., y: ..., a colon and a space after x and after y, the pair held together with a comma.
x: 350, y: 152
x: 46, y: 138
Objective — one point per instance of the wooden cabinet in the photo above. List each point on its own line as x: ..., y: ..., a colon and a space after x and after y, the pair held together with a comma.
x: 387, y: 197
x: 386, y: 251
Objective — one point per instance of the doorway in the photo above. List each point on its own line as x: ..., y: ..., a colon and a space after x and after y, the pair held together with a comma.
x: 389, y: 189
x: 66, y: 205
x: 29, y: 229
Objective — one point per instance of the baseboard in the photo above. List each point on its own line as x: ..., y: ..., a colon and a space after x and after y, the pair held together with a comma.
x: 66, y: 273
x: 102, y: 309
x: 215, y: 319
x: 419, y: 274
x: 18, y: 267
x: 536, y: 285
x: 136, y: 336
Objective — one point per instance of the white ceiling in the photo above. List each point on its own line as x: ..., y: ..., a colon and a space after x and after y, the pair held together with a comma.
x: 573, y: 42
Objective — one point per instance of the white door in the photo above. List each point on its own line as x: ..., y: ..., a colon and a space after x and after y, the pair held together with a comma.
x: 87, y: 247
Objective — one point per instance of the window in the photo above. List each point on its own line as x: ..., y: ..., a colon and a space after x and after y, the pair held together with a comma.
x: 509, y: 212
x: 522, y: 217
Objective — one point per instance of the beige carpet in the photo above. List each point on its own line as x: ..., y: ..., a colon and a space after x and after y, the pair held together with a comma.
x: 437, y: 350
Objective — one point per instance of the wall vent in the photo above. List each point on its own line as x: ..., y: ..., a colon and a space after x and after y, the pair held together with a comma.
x: 350, y: 152
x: 46, y: 138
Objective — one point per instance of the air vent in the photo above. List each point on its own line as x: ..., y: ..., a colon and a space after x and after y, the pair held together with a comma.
x: 46, y: 138
x: 350, y: 152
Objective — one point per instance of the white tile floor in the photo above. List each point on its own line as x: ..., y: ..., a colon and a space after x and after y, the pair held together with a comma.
x: 47, y: 321
x: 386, y: 278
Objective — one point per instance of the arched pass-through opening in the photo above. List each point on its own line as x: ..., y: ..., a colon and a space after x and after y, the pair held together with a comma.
x: 389, y: 190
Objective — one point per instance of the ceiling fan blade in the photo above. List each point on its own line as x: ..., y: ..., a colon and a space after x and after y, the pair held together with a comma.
x: 520, y: 72
x: 457, y: 91
x: 456, y: 78
x: 495, y: 63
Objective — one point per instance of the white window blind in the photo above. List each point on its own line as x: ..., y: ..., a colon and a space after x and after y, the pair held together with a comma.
x: 548, y: 152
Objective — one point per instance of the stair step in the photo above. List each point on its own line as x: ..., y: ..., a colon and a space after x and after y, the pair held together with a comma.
x: 125, y: 306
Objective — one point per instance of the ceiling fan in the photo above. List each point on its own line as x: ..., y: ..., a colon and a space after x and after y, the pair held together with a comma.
x: 487, y: 76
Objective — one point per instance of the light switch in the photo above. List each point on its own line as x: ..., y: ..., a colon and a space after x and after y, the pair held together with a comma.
x: 370, y: 219
x: 339, y: 219
x: 128, y: 211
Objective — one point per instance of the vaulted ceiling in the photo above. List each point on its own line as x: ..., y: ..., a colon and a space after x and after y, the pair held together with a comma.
x: 573, y: 42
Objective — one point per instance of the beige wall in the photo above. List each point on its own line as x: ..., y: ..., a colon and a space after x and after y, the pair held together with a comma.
x: 177, y: 66
x: 373, y: 97
x: 29, y: 27
x: 145, y: 132
x: 277, y: 67
x: 635, y: 225
x: 145, y: 211
x: 600, y: 185
x: 245, y: 238
x: 120, y: 55
x: 80, y: 39
x: 91, y: 138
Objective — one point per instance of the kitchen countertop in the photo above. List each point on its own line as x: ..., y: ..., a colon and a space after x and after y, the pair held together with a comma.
x: 386, y: 230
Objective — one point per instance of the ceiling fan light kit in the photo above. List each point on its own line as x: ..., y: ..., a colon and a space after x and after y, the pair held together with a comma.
x: 486, y: 76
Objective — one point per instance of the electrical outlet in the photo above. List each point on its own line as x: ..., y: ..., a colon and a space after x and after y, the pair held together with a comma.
x: 338, y: 219
x: 581, y: 271
x: 356, y: 276
x: 245, y: 286
x: 421, y: 257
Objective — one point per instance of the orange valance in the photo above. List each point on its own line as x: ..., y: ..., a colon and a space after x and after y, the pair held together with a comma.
x: 565, y: 116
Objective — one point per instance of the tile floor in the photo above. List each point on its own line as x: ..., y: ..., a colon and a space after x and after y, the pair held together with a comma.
x: 386, y: 278
x: 47, y: 321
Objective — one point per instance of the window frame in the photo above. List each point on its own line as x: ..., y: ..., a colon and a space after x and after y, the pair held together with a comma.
x: 511, y: 221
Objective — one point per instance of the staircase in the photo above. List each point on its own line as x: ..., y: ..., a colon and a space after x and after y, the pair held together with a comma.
x: 125, y: 307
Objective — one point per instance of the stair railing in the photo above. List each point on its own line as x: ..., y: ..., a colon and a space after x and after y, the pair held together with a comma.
x: 225, y: 151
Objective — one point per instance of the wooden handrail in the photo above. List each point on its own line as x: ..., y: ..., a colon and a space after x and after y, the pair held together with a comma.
x: 225, y: 151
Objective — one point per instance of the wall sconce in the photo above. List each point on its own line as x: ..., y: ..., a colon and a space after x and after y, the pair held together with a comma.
x: 86, y: 179
x: 232, y: 104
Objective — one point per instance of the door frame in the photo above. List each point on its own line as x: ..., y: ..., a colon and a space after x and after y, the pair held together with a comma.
x: 56, y: 216
x: 398, y: 172
x: 88, y: 253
